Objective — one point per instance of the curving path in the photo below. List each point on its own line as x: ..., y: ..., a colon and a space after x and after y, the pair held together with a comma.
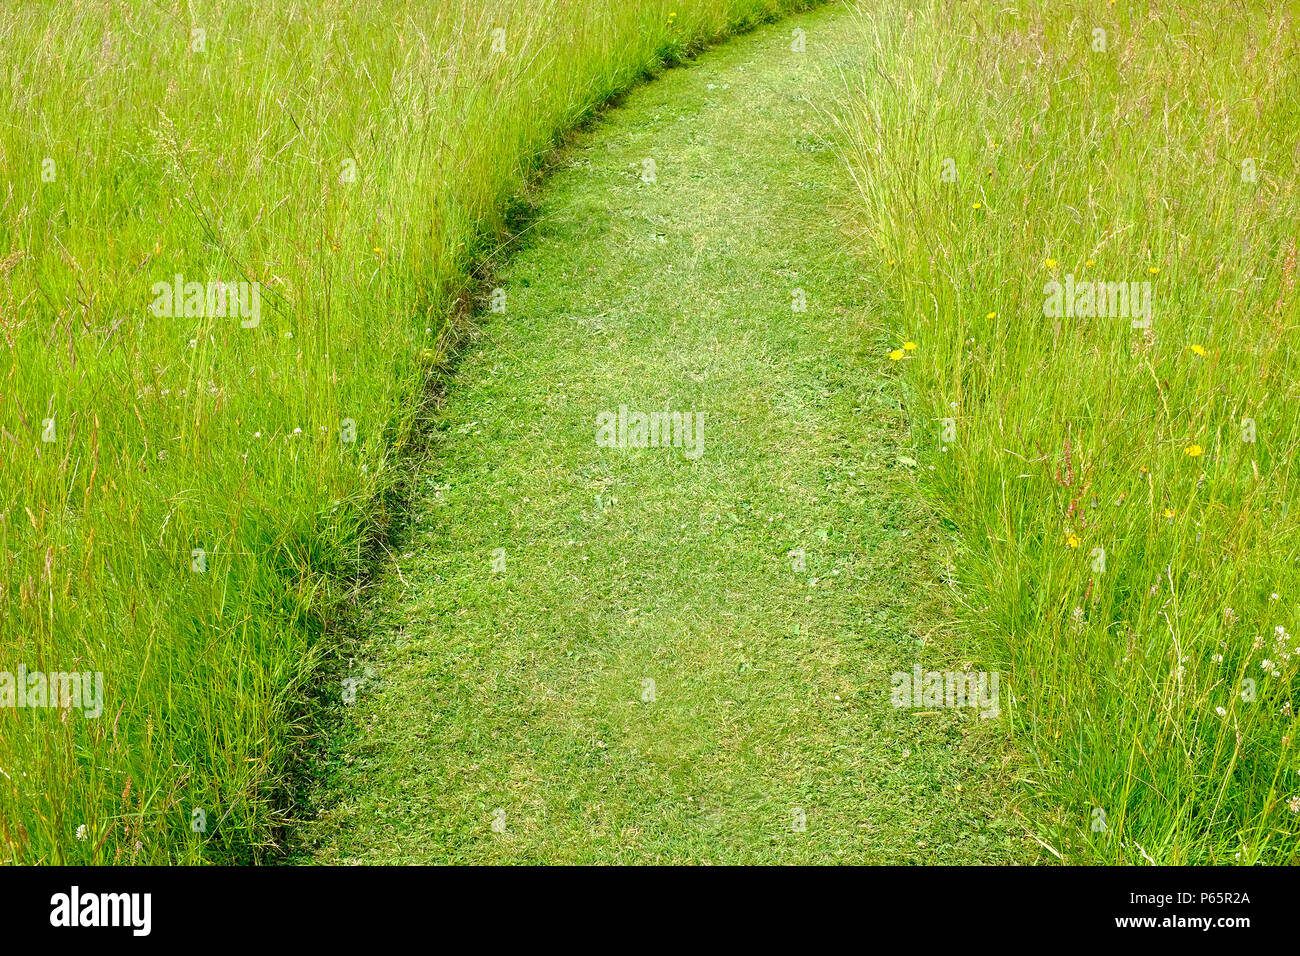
x: 593, y: 654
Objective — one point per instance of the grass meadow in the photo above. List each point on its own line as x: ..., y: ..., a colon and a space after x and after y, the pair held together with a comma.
x: 185, y: 500
x: 1118, y: 482
x: 1077, y: 221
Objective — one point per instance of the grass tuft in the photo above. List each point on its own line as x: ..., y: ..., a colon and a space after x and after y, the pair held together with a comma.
x: 1121, y: 490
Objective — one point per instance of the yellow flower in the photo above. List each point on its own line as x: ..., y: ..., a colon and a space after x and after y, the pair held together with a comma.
x: 1071, y: 540
x: 1197, y: 349
x: 1091, y: 262
x: 896, y: 354
x: 1050, y: 263
x: 1193, y: 451
x: 991, y: 315
x: 977, y: 205
x: 1153, y: 270
x: 909, y: 345
x: 1142, y: 470
x: 1169, y: 512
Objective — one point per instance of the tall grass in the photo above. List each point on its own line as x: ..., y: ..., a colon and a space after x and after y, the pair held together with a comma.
x: 1123, y: 497
x: 135, y: 149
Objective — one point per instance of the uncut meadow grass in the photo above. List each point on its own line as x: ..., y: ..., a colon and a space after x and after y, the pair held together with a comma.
x: 218, y: 156
x: 1075, y: 436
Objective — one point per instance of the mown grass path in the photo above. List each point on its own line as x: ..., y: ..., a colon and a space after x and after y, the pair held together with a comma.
x: 509, y: 716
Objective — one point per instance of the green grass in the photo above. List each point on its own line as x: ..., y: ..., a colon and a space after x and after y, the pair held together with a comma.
x: 519, y: 695
x: 133, y: 149
x: 1073, y: 436
x: 1099, y: 511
